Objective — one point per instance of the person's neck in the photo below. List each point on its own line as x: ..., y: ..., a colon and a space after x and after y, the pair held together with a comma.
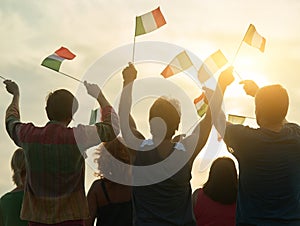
x: 273, y: 127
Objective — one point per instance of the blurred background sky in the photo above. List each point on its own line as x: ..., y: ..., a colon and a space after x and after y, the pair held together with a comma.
x: 31, y: 30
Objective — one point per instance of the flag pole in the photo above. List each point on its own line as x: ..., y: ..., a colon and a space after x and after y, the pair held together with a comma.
x: 133, y: 49
x: 70, y: 76
x: 233, y: 60
x: 2, y: 77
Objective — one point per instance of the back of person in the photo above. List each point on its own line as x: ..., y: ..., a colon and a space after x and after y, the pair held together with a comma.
x: 212, y: 213
x: 10, y: 207
x: 111, y: 212
x: 269, y: 185
x: 110, y: 202
x: 215, y: 203
x: 164, y: 203
x: 11, y: 202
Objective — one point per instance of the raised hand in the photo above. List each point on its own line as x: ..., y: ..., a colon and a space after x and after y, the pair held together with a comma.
x: 92, y: 89
x: 129, y: 73
x: 226, y: 78
x: 250, y: 87
x: 12, y: 87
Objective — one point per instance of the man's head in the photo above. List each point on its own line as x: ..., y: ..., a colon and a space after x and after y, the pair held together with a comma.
x: 61, y: 106
x: 271, y: 105
x: 167, y: 110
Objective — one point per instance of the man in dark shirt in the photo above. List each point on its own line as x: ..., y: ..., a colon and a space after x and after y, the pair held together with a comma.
x: 269, y: 161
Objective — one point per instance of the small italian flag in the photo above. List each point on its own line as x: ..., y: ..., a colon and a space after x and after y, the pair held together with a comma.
x: 149, y: 22
x: 200, y: 105
x: 254, y: 39
x: 236, y: 119
x: 95, y: 116
x: 54, y: 60
x: 211, y: 65
x: 178, y: 64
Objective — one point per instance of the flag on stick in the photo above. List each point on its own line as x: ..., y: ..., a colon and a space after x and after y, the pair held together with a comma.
x: 200, y: 105
x: 95, y: 116
x: 211, y: 65
x: 149, y: 22
x: 254, y: 39
x: 54, y: 60
x: 2, y: 77
x: 178, y: 64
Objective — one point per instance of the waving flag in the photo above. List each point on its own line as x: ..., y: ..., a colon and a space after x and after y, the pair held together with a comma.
x: 54, y: 60
x: 149, y: 22
x: 211, y: 65
x: 95, y: 116
x: 179, y: 63
x: 200, y: 105
x: 254, y: 39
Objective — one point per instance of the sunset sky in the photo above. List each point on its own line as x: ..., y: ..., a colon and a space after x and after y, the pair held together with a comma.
x: 31, y: 30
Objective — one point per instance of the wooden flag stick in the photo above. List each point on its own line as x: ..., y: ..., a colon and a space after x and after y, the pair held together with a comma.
x: 70, y: 77
x: 133, y: 49
x: 234, y: 58
x: 2, y: 77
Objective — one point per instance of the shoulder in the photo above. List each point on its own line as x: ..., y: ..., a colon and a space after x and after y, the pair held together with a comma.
x: 96, y: 185
x: 11, y: 195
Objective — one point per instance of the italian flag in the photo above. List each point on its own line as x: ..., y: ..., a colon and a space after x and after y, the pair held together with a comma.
x: 149, y: 22
x: 211, y: 65
x: 95, y: 116
x: 236, y: 119
x: 200, y: 105
x: 179, y: 63
x: 54, y: 60
x: 253, y: 38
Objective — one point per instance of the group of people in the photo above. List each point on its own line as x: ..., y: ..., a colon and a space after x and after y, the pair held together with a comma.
x: 49, y: 174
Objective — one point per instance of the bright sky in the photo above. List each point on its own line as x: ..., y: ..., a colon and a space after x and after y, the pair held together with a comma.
x: 31, y: 30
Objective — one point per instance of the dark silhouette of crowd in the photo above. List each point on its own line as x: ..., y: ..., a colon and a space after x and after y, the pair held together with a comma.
x: 49, y: 167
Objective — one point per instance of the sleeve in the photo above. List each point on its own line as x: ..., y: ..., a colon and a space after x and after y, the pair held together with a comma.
x: 236, y: 137
x: 87, y: 136
x: 12, y: 120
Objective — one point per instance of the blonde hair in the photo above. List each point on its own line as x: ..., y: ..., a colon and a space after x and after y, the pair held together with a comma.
x: 18, y: 167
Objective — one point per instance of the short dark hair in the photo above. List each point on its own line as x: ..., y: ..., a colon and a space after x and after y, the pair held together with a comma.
x: 61, y: 105
x: 169, y: 111
x: 221, y: 185
x: 272, y: 103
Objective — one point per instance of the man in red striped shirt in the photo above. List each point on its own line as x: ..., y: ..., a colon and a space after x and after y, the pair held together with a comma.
x: 54, y: 189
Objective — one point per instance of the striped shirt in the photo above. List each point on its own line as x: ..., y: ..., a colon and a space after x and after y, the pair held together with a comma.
x: 54, y: 190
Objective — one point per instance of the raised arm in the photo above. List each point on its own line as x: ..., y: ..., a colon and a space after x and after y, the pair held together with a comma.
x: 106, y: 130
x: 202, y: 130
x: 129, y: 131
x: 12, y: 116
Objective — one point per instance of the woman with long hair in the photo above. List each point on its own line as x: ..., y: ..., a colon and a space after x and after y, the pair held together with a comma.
x: 215, y: 203
x: 110, y: 202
